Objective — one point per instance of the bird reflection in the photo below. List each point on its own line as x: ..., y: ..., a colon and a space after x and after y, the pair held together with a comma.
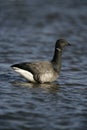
x: 52, y: 87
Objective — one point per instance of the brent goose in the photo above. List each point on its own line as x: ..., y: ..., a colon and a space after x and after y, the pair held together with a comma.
x: 43, y: 71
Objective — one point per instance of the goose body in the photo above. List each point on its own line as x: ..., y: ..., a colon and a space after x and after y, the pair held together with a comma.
x: 37, y: 72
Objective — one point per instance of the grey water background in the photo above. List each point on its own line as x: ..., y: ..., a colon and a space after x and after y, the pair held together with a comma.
x: 28, y: 31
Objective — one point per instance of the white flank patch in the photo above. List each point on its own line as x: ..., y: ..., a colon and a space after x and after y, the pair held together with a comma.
x: 24, y: 73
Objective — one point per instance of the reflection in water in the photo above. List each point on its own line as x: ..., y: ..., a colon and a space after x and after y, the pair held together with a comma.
x: 52, y: 87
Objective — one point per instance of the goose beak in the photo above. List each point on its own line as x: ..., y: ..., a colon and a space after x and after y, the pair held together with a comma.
x: 69, y: 44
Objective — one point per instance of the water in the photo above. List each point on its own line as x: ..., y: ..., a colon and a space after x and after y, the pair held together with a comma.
x: 28, y: 31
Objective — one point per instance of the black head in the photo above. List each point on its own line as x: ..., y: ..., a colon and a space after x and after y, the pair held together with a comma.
x: 61, y: 43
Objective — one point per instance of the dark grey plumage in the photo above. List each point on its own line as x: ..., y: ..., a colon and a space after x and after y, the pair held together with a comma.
x: 43, y: 71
